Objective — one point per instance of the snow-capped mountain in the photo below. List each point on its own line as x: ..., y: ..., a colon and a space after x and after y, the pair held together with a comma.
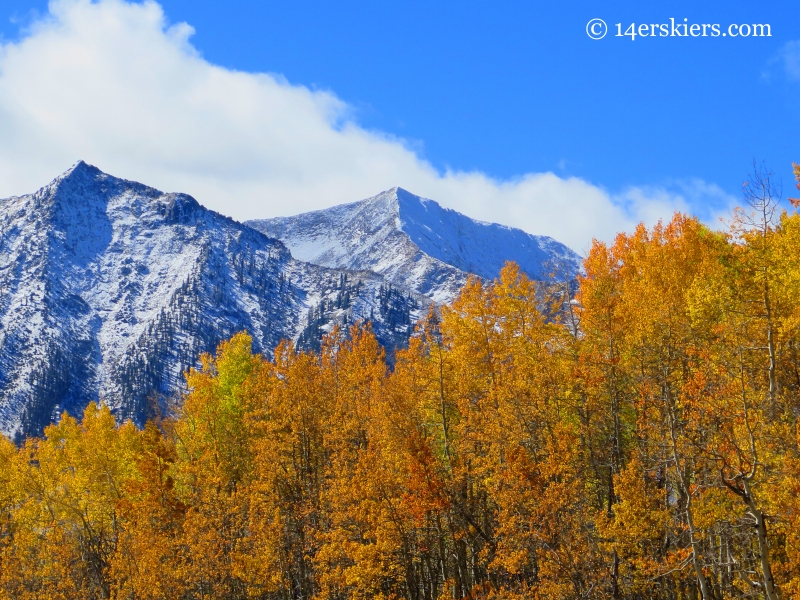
x: 415, y: 243
x: 110, y: 290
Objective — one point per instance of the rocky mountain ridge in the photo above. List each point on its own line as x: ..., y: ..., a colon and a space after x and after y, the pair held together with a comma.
x: 416, y: 243
x: 111, y: 290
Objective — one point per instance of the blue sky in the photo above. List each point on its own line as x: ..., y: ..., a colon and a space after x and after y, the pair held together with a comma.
x: 514, y: 88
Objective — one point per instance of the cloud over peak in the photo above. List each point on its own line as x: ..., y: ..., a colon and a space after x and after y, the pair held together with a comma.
x: 113, y: 83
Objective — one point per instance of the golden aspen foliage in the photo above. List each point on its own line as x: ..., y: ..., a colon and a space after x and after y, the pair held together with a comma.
x: 634, y: 533
x: 213, y: 464
x: 65, y: 524
x: 150, y: 561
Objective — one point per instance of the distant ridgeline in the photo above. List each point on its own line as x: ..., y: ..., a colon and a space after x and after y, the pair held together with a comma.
x: 111, y: 290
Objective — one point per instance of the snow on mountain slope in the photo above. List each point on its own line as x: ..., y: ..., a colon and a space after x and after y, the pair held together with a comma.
x: 415, y: 242
x: 110, y: 290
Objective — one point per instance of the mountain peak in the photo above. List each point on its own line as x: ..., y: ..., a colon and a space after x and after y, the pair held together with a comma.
x: 412, y: 207
x: 79, y: 183
x: 80, y: 170
x: 84, y: 184
x: 406, y: 197
x: 393, y: 202
x: 398, y: 193
x: 415, y: 242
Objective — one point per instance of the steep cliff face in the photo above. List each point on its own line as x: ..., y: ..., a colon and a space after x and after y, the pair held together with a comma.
x: 110, y: 290
x: 415, y: 243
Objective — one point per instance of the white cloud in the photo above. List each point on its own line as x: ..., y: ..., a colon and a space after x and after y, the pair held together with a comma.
x: 785, y: 63
x: 790, y: 56
x: 109, y: 82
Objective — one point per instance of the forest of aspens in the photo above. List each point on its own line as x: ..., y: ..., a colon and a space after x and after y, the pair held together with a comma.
x: 633, y: 434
